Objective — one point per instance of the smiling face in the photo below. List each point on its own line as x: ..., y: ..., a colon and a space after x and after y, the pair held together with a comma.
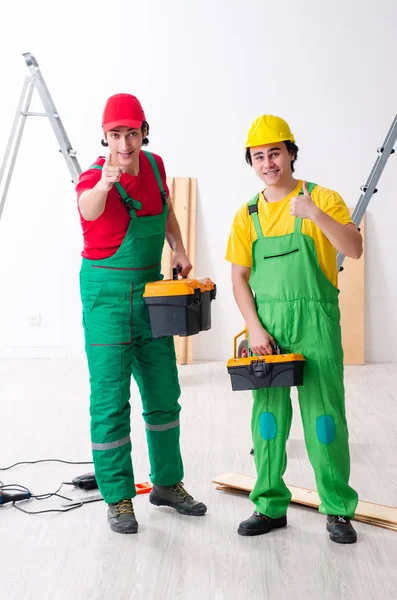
x: 272, y: 163
x: 125, y: 144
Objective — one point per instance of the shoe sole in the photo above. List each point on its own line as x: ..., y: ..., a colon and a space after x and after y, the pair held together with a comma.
x: 123, y: 530
x: 249, y: 532
x: 340, y: 540
x: 119, y: 529
x: 180, y: 510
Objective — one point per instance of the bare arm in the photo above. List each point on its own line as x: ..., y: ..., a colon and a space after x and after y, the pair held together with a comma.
x: 344, y: 238
x: 174, y: 238
x: 173, y: 231
x: 260, y: 340
x: 92, y: 202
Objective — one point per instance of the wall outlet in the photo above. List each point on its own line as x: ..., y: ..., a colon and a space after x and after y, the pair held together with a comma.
x: 35, y: 319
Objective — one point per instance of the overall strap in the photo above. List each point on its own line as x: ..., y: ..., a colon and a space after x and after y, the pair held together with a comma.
x: 156, y: 171
x: 298, y: 220
x: 131, y: 204
x: 253, y: 212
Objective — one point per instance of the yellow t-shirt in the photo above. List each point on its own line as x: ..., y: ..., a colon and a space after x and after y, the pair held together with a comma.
x: 275, y: 219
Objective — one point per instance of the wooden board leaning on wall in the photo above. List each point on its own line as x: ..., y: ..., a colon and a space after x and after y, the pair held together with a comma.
x: 351, y: 298
x: 183, y: 192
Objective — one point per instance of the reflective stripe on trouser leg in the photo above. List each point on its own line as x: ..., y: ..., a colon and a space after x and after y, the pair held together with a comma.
x: 271, y: 422
x: 111, y: 445
x: 110, y: 368
x: 154, y: 369
x: 322, y: 405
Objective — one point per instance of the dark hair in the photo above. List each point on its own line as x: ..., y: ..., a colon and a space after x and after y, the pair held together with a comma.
x: 291, y: 147
x: 145, y: 141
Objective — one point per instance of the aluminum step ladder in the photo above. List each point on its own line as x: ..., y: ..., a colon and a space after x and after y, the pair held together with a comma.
x: 370, y: 188
x: 65, y: 147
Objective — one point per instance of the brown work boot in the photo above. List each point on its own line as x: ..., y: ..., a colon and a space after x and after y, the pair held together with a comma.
x: 177, y: 497
x: 121, y: 517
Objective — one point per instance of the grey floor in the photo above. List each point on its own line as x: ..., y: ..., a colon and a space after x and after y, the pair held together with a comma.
x: 44, y: 414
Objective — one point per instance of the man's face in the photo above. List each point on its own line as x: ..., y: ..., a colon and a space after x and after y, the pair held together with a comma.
x: 272, y: 163
x: 124, y: 145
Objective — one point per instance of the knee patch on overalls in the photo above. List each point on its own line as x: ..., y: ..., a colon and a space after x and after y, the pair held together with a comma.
x: 325, y: 429
x: 267, y: 426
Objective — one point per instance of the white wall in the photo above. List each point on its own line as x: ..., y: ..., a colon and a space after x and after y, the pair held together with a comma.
x: 203, y: 72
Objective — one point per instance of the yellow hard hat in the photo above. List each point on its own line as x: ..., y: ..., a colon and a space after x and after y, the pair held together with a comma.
x: 268, y: 129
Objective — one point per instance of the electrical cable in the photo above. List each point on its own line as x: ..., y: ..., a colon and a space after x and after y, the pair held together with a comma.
x: 16, y: 487
x: 34, y: 462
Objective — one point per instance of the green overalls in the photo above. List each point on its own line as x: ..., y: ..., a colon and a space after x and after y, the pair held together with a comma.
x: 119, y: 343
x: 298, y: 306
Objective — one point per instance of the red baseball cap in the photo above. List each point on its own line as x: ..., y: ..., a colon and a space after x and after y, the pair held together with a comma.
x: 122, y: 110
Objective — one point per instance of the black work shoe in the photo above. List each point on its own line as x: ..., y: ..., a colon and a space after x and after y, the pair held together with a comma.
x: 259, y: 523
x: 341, y: 530
x: 177, y: 497
x: 121, y: 517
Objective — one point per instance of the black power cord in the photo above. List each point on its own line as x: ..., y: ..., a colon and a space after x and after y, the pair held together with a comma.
x: 15, y: 487
x: 34, y: 462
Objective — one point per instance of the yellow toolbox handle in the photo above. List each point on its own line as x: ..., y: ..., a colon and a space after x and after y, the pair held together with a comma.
x: 244, y: 332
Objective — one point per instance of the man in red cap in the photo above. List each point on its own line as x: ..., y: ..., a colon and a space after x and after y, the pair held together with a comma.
x: 126, y: 214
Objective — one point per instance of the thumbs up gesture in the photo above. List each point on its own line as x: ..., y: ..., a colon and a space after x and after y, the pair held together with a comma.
x: 303, y: 206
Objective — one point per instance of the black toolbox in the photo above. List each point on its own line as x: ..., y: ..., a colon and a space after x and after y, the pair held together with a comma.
x: 271, y: 370
x: 179, y: 306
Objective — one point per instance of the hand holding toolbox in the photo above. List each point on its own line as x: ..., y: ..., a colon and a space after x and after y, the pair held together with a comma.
x: 271, y: 370
x: 179, y: 306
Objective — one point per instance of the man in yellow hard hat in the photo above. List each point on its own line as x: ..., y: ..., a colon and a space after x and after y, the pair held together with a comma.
x: 282, y: 247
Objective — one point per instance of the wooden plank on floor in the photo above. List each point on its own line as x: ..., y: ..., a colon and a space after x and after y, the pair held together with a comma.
x: 367, y: 512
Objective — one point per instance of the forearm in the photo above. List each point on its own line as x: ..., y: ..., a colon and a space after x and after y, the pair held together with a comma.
x: 245, y: 301
x: 173, y: 233
x: 346, y: 239
x: 92, y: 203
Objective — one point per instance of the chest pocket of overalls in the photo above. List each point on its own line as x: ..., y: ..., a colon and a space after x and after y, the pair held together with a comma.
x: 277, y: 261
x: 148, y: 235
x: 282, y: 254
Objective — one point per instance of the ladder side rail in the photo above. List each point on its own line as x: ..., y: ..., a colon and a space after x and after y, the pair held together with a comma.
x: 370, y: 187
x: 20, y: 122
x: 55, y: 120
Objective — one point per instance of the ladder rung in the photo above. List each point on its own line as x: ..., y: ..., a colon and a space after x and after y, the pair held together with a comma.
x: 70, y: 151
x: 37, y: 114
x: 25, y: 113
x: 380, y: 150
x: 365, y: 187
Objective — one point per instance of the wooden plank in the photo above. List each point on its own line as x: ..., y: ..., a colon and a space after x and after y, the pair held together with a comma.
x: 368, y: 521
x: 351, y: 299
x: 366, y: 512
x: 183, y: 195
x: 166, y: 259
x: 181, y: 208
x: 190, y: 248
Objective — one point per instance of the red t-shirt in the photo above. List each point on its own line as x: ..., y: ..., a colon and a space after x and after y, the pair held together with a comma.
x: 104, y: 236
